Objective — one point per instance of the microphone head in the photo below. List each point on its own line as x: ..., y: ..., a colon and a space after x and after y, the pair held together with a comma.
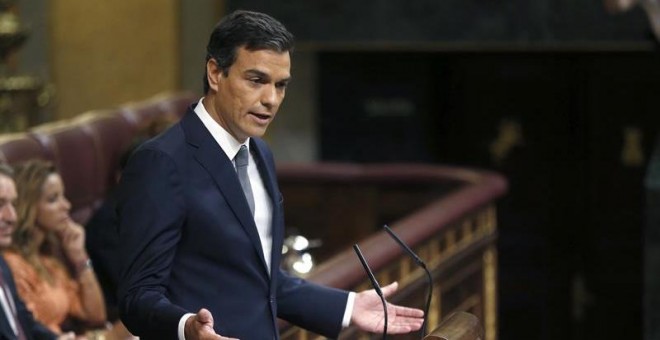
x: 404, y: 246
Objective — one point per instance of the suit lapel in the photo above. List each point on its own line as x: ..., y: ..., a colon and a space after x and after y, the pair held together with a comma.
x: 6, y: 332
x: 5, y: 329
x: 221, y: 169
x: 268, y: 176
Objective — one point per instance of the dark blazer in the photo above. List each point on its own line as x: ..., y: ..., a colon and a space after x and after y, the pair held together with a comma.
x: 102, y: 241
x: 32, y: 328
x: 188, y: 240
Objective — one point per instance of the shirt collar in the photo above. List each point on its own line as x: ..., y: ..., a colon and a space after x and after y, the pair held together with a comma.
x: 227, y: 142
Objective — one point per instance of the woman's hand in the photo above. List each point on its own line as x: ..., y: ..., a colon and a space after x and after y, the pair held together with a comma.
x: 72, y: 237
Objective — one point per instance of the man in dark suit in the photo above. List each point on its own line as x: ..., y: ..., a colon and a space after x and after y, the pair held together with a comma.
x: 16, y: 321
x: 201, y: 216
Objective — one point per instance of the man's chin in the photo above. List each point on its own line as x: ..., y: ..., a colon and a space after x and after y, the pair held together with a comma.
x: 258, y: 130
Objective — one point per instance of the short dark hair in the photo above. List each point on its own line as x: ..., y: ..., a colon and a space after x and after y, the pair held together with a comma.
x: 6, y: 170
x: 252, y: 30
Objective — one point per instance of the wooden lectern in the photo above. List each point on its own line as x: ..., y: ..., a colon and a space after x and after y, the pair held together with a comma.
x: 458, y: 326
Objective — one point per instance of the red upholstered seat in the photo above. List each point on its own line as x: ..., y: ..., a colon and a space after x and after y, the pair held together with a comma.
x: 19, y: 147
x: 174, y: 105
x: 88, y: 148
x: 111, y: 134
x: 157, y: 112
x: 74, y: 153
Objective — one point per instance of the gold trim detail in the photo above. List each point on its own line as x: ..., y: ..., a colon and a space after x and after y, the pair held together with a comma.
x: 490, y: 293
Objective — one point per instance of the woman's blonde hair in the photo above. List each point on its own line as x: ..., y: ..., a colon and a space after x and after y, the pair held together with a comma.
x: 30, y: 178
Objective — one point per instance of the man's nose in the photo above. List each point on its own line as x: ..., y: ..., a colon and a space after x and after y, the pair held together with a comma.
x: 8, y: 214
x: 270, y: 97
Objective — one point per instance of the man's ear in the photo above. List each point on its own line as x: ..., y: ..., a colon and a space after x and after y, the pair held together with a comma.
x: 213, y: 74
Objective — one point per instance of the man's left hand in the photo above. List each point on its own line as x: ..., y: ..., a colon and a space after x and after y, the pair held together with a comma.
x: 368, y: 313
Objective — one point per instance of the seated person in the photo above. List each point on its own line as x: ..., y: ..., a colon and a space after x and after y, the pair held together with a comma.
x: 48, y: 259
x: 16, y: 321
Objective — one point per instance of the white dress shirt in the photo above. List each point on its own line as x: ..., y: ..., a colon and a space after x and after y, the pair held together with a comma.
x: 8, y: 306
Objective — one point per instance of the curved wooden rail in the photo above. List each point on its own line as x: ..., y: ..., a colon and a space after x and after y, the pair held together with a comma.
x: 458, y: 326
x: 343, y: 271
x: 455, y: 229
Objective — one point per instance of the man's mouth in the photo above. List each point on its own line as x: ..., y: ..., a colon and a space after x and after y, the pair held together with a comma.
x: 261, y: 116
x: 5, y: 228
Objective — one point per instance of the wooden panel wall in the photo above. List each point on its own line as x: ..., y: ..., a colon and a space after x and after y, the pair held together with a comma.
x: 108, y: 52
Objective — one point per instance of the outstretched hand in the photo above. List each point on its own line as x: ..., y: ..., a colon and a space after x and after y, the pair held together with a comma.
x: 368, y: 313
x: 200, y: 326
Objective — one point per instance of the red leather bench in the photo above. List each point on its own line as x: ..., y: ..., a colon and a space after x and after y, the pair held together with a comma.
x: 86, y: 149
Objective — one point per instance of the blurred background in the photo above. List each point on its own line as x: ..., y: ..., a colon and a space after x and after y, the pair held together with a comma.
x: 559, y: 96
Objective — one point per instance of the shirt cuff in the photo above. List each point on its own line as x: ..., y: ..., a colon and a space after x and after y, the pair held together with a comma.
x: 346, y: 321
x: 182, y: 325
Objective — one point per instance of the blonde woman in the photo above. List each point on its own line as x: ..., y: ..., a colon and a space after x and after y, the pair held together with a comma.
x: 48, y: 259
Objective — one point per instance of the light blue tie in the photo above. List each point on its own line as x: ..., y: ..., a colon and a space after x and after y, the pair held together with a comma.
x: 241, y: 160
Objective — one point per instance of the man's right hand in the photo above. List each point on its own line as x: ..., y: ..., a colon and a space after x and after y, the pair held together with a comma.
x: 200, y: 326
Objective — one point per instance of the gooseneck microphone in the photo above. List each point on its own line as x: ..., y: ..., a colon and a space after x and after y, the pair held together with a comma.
x: 420, y: 263
x: 375, y: 284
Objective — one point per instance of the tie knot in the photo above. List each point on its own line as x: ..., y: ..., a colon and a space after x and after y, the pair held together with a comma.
x: 241, y: 158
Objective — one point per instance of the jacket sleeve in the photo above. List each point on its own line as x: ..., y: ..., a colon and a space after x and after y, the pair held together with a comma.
x: 311, y: 306
x: 32, y: 328
x: 30, y: 325
x: 151, y: 214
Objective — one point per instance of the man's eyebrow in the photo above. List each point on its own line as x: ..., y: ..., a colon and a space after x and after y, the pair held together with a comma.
x: 254, y: 72
x: 285, y: 80
x: 264, y: 75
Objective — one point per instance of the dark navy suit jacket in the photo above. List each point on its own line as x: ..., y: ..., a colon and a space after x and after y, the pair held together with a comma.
x: 188, y: 240
x: 102, y: 242
x: 31, y: 328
